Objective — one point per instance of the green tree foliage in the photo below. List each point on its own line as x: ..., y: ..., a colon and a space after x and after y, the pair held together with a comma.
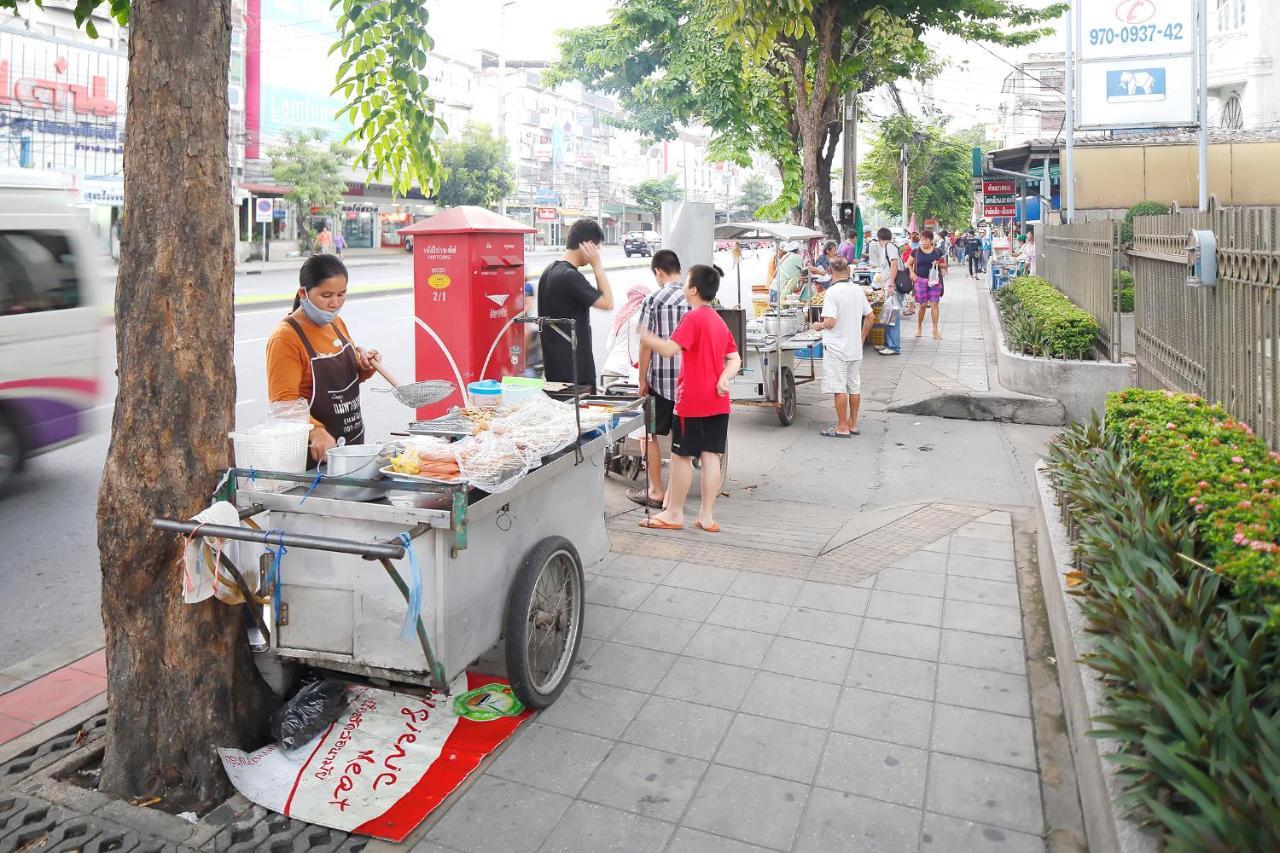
x: 1142, y: 208
x: 938, y: 169
x: 650, y: 194
x: 477, y: 169
x: 767, y: 74
x: 755, y: 194
x: 312, y: 166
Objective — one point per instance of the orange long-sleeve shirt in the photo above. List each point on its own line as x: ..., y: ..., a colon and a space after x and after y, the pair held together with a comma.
x: 289, y: 365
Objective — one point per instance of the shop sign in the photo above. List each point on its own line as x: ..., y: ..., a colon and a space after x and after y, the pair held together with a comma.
x: 547, y: 214
x: 64, y: 100
x: 999, y: 211
x: 998, y: 188
x: 1136, y: 63
x: 264, y: 210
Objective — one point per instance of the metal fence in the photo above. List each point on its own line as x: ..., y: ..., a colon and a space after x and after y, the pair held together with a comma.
x: 1080, y: 260
x: 1221, y: 342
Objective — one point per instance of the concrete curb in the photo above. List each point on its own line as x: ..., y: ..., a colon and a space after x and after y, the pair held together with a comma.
x: 1082, y: 699
x: 270, y: 301
x: 1003, y: 406
x: 37, y: 666
x: 1081, y: 386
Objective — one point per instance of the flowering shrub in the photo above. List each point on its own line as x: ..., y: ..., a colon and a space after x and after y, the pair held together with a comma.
x: 1196, y: 455
x: 1041, y: 321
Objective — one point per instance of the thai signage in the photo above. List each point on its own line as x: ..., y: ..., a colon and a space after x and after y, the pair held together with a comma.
x: 61, y: 105
x: 999, y: 199
x: 1136, y: 63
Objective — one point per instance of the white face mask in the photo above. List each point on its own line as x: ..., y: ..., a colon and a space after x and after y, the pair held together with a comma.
x: 317, y: 314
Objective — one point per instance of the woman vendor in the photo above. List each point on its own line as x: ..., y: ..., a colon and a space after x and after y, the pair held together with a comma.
x: 310, y: 356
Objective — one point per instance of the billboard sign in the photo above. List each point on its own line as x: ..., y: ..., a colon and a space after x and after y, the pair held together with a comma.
x: 1116, y: 29
x: 999, y: 211
x: 1136, y: 63
x: 999, y: 187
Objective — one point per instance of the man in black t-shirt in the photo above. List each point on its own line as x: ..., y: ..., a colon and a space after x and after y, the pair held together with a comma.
x: 564, y: 293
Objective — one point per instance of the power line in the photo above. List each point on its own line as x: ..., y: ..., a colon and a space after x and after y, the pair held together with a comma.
x: 1021, y: 70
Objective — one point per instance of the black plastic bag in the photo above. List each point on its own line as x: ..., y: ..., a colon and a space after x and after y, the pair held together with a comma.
x: 307, y: 714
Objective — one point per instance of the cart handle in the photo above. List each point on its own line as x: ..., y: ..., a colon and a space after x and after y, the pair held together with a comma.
x: 371, y: 550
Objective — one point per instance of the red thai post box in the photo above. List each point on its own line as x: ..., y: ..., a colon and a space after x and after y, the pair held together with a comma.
x: 468, y: 291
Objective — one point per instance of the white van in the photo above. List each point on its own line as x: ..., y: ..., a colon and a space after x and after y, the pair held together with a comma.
x: 49, y: 326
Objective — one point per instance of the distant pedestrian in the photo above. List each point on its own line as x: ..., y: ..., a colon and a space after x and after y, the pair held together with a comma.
x: 324, y: 241
x: 790, y: 268
x: 927, y: 265
x: 973, y: 251
x: 846, y: 321
x: 339, y: 243
x: 987, y: 244
x: 848, y: 247
x: 709, y: 359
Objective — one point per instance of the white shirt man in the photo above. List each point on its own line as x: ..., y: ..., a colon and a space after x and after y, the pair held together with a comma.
x: 846, y: 321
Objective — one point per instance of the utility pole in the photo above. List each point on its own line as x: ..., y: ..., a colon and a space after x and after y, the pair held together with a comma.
x: 1202, y: 84
x: 905, y: 190
x: 1069, y: 167
x: 850, y: 182
x: 502, y: 87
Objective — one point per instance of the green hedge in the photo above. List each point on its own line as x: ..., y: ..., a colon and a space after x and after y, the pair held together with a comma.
x: 1124, y: 280
x: 1213, y: 467
x: 1041, y: 321
x: 1142, y: 208
x: 1191, y: 675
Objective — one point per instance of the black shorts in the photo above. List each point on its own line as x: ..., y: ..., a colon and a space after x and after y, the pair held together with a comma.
x: 663, y: 413
x: 696, y: 436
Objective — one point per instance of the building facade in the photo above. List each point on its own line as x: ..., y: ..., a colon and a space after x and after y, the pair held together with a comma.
x: 1244, y: 49
x: 62, y: 108
x: 1033, y: 100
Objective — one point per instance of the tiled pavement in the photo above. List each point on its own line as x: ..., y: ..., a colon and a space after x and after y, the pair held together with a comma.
x: 767, y: 705
x: 26, y: 706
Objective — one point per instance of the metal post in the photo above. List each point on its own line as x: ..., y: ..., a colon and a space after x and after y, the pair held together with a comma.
x: 849, y: 191
x: 1202, y: 82
x: 502, y: 88
x: 905, y: 193
x: 1046, y: 193
x: 1069, y: 168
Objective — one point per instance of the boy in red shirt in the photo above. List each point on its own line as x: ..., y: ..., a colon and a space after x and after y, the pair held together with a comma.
x: 708, y: 360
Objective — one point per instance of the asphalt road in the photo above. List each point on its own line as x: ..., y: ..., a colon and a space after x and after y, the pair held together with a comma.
x: 49, y: 577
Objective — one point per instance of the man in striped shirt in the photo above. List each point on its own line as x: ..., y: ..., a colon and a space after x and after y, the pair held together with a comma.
x: 661, y: 312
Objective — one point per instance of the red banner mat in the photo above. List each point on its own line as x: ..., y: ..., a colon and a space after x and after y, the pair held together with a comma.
x: 388, y: 760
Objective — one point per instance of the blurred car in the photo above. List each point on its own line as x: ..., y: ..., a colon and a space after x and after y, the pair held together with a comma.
x: 49, y: 327
x: 643, y: 243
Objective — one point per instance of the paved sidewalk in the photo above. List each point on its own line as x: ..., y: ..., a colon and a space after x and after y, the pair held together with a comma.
x: 783, y: 692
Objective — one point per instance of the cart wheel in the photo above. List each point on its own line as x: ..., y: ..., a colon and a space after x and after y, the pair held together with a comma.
x: 787, y: 395
x: 633, y: 468
x: 544, y: 621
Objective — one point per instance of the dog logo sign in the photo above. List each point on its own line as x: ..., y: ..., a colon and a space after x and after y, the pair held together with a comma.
x: 1135, y: 85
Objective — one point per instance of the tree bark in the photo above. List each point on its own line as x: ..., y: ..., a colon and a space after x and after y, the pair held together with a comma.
x: 181, y: 679
x: 812, y: 97
x: 830, y: 146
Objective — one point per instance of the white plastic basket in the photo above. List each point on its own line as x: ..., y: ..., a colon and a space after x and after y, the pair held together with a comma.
x: 272, y: 446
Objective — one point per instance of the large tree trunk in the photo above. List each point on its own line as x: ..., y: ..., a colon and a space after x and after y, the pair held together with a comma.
x: 181, y: 678
x: 832, y: 144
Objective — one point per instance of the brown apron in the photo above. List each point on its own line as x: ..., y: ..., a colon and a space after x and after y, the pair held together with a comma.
x: 335, y: 388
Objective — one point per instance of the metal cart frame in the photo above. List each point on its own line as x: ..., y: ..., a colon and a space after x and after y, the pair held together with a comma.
x: 507, y: 567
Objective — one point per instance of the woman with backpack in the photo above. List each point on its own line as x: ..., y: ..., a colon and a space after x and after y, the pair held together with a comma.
x: 927, y: 264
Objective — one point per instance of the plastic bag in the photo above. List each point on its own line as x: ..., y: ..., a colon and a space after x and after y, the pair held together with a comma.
x: 539, y: 426
x: 307, y: 714
x: 203, y: 574
x: 492, y: 461
x: 296, y: 411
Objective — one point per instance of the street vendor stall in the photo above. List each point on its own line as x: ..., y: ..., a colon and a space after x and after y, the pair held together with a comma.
x: 778, y: 331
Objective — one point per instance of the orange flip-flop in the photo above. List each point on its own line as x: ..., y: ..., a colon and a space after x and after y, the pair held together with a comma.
x: 658, y: 524
x: 713, y: 528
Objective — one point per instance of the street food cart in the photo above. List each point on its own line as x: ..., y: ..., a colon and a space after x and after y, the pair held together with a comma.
x: 773, y: 338
x: 355, y: 553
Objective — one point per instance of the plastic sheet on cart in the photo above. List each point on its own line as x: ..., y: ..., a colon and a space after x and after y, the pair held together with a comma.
x: 386, y: 762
